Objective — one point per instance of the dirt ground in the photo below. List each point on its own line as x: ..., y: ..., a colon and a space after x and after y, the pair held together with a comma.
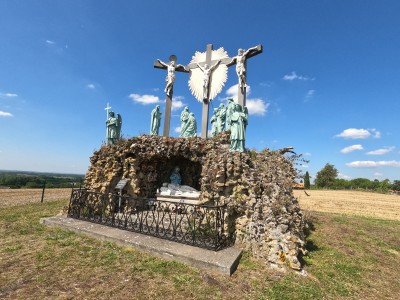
x: 358, y: 203
x: 12, y: 197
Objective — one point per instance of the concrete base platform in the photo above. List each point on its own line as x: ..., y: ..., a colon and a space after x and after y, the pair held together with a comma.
x: 223, y: 261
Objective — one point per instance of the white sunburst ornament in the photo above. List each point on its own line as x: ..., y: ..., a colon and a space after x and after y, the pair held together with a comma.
x: 204, y: 79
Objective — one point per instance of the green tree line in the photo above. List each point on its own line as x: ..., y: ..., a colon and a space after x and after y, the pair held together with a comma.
x: 16, y: 181
x: 327, y: 178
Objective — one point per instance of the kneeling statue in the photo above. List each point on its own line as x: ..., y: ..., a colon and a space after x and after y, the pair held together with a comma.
x: 174, y: 188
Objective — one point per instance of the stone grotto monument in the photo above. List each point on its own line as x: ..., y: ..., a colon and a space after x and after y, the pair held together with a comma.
x: 262, y: 214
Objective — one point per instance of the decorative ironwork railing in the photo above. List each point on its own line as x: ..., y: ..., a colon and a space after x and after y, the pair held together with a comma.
x: 196, y: 225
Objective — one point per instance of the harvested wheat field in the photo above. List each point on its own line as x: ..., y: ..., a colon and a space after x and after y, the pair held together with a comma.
x: 359, y: 203
x: 12, y: 197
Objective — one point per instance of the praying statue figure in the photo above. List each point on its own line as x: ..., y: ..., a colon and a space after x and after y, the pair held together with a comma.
x: 214, y: 121
x: 241, y: 65
x: 155, y: 120
x: 184, y: 118
x: 206, y: 77
x: 170, y: 79
x: 238, y: 129
x: 229, y: 111
x: 175, y: 177
x: 175, y: 187
x: 114, y: 125
x: 190, y: 127
x: 221, y: 118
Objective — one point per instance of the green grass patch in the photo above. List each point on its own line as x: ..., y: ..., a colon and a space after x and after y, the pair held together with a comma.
x: 349, y: 258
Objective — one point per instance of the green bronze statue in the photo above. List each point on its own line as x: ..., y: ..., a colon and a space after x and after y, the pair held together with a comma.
x: 114, y: 125
x: 238, y: 124
x: 221, y: 118
x: 175, y: 177
x: 229, y: 112
x: 214, y: 121
x: 190, y: 127
x: 184, y: 119
x: 155, y: 120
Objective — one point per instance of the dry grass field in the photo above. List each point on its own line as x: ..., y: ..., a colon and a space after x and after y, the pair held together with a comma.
x: 358, y: 203
x: 13, y: 197
x: 353, y: 252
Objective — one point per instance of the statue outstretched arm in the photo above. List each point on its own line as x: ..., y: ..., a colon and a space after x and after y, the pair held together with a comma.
x: 250, y: 50
x: 180, y: 67
x: 215, y: 65
x: 162, y: 63
x: 200, y: 67
x: 234, y: 59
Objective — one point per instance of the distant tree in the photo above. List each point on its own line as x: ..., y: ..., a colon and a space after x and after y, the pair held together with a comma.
x: 342, y: 184
x: 307, y: 180
x: 396, y: 185
x: 363, y: 183
x: 385, y: 186
x: 326, y: 176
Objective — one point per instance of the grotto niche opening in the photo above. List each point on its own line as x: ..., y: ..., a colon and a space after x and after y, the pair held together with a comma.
x: 190, y: 171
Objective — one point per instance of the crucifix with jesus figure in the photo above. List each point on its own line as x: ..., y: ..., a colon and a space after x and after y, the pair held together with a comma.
x: 170, y: 79
x: 208, y: 74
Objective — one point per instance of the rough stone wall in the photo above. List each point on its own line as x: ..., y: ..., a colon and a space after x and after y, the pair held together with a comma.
x: 257, y: 186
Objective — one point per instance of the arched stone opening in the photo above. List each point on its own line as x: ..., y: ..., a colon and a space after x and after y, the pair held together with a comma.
x: 154, y: 171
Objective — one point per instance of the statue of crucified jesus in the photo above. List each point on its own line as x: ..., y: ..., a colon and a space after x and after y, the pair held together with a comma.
x: 241, y: 65
x: 170, y: 79
x: 206, y: 77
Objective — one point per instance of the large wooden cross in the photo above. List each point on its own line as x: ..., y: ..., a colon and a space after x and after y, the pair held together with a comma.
x: 168, y: 99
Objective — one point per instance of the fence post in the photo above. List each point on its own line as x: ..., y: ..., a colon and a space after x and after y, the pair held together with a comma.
x: 44, y: 186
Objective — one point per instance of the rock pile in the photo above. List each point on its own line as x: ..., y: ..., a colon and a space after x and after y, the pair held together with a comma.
x: 257, y: 186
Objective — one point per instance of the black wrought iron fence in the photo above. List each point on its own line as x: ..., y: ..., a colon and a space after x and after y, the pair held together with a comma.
x: 197, y: 225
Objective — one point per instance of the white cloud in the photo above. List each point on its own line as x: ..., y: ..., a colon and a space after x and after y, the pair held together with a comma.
x: 351, y: 148
x: 91, y: 86
x: 50, y: 42
x: 5, y: 114
x: 373, y: 164
x: 307, y: 154
x: 293, y: 76
x: 376, y: 133
x: 233, y: 91
x: 377, y: 174
x: 256, y: 106
x: 353, y: 133
x: 304, y: 166
x: 343, y: 176
x: 381, y: 151
x: 144, y: 99
x: 266, y: 84
x: 10, y: 95
x: 178, y: 129
x: 310, y: 94
x: 177, y: 103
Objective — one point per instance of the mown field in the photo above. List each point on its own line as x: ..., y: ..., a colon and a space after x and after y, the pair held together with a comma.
x: 359, y: 203
x: 350, y: 257
x: 13, y: 197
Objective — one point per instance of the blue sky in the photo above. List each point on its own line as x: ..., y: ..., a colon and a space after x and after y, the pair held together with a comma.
x: 327, y: 83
